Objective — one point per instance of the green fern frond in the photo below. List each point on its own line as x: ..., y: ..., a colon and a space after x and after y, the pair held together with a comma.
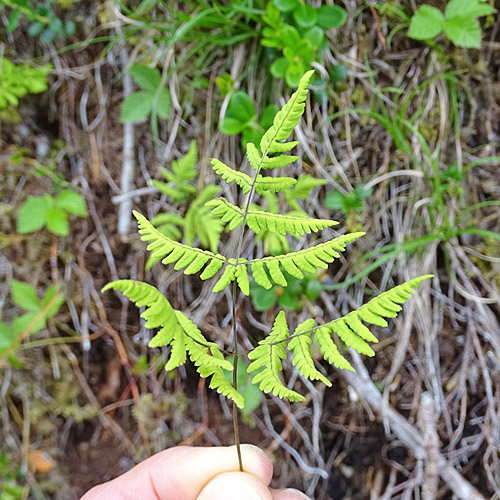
x: 220, y: 383
x: 302, y: 358
x: 267, y: 357
x: 286, y: 119
x: 309, y: 260
x: 184, y: 256
x: 353, y: 332
x: 177, y: 186
x: 177, y: 330
x: 259, y: 221
x: 262, y: 184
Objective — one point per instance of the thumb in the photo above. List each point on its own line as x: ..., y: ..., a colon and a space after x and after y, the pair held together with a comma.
x: 231, y: 485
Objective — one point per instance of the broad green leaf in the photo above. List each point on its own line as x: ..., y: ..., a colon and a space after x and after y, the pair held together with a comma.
x: 463, y: 31
x: 24, y: 296
x: 242, y: 106
x: 293, y: 73
x: 267, y: 117
x: 231, y: 126
x: 137, y: 106
x: 146, y: 78
x: 262, y: 299
x: 426, y: 23
x: 291, y: 37
x: 286, y: 5
x: 72, y: 202
x: 331, y: 16
x: 315, y: 35
x: 468, y: 8
x: 33, y: 214
x: 7, y: 337
x: 337, y: 73
x: 57, y: 222
x: 13, y: 20
x: 305, y: 15
x: 278, y: 68
x: 163, y: 104
x: 31, y: 322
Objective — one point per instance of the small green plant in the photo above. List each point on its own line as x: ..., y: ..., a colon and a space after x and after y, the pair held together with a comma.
x: 241, y: 118
x: 17, y: 80
x: 183, y: 336
x: 351, y: 204
x: 53, y: 213
x: 35, y: 316
x: 153, y: 98
x: 10, y: 489
x: 196, y: 221
x: 459, y: 22
x: 44, y: 22
x: 298, y: 30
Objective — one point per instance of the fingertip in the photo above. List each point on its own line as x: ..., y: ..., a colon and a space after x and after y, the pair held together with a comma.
x: 289, y: 494
x: 232, y: 485
x: 256, y: 462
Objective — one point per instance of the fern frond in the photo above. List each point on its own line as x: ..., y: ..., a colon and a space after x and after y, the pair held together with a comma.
x: 259, y: 221
x: 309, y: 260
x: 170, y: 251
x: 300, y: 345
x: 353, y: 332
x: 267, y: 357
x: 158, y: 312
x: 244, y: 181
x: 220, y: 383
x: 286, y: 120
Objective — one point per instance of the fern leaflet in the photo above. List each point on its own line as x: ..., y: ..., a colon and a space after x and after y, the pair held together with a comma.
x: 181, y: 334
x: 267, y: 357
x: 262, y: 184
x: 309, y: 260
x: 259, y: 221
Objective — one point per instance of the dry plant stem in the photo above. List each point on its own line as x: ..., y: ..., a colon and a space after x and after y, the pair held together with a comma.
x: 362, y: 384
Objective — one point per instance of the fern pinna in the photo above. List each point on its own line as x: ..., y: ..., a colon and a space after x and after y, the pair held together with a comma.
x: 186, y: 340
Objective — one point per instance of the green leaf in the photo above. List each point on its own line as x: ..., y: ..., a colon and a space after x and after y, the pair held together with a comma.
x: 146, y: 78
x: 463, y: 31
x: 286, y: 5
x: 315, y: 35
x: 331, y: 16
x: 33, y: 214
x: 305, y: 15
x: 57, y: 222
x: 426, y: 23
x: 293, y: 73
x: 28, y: 323
x: 137, y: 106
x: 225, y: 83
x: 13, y: 20
x: 49, y: 296
x: 163, y: 104
x: 338, y: 73
x: 262, y: 299
x: 231, y: 126
x: 267, y: 117
x: 7, y: 337
x: 468, y: 8
x: 24, y: 296
x: 313, y: 289
x: 72, y: 202
x: 278, y: 68
x: 305, y: 184
x: 242, y: 106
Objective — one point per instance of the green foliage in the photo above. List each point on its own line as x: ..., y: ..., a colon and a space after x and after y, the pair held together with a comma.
x: 298, y: 30
x: 241, y: 118
x: 35, y: 317
x: 44, y: 22
x: 197, y: 222
x: 45, y: 211
x: 350, y: 202
x: 184, y: 338
x: 459, y: 22
x: 153, y: 98
x: 17, y: 80
x: 10, y: 489
x: 290, y: 296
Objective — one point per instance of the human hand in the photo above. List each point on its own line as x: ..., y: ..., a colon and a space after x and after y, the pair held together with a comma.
x: 190, y: 473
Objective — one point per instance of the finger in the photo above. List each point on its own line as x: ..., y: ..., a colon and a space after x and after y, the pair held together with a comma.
x: 231, y: 485
x: 288, y: 494
x: 180, y: 473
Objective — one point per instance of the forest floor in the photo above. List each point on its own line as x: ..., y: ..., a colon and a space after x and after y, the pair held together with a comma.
x: 407, y: 141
